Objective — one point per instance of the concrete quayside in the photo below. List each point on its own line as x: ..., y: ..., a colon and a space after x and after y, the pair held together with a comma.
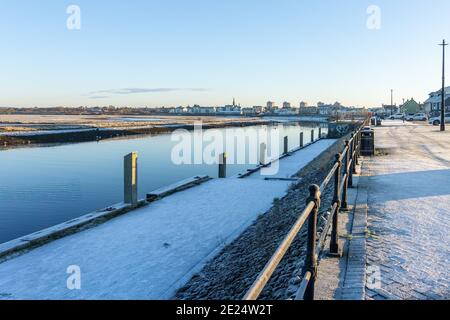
x: 151, y: 251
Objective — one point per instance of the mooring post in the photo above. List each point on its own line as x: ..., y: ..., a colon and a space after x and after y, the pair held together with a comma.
x: 334, y: 243
x: 301, y: 140
x: 262, y: 154
x: 130, y: 179
x: 312, y: 135
x: 347, y: 175
x: 320, y: 132
x: 286, y: 145
x: 223, y: 165
x: 311, y: 258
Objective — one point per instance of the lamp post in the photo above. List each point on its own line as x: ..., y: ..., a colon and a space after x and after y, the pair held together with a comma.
x: 392, y: 101
x: 443, y: 44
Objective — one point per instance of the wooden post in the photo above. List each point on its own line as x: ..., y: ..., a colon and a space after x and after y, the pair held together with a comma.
x: 223, y: 166
x: 334, y: 243
x: 311, y: 258
x: 262, y: 154
x: 301, y: 140
x: 312, y: 135
x: 130, y: 179
x: 286, y: 145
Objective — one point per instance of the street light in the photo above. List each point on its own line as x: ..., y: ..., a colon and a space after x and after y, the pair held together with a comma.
x: 443, y: 44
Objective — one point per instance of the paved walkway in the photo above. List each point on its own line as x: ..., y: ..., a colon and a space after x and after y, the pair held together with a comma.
x: 408, y: 243
x: 152, y: 251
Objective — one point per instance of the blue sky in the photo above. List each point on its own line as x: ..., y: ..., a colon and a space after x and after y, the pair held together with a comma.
x: 172, y: 52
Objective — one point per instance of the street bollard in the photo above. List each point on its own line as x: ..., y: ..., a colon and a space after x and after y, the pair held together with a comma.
x: 301, y: 140
x: 312, y: 136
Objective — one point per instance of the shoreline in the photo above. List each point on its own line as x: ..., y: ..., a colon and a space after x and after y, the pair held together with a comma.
x: 58, y: 137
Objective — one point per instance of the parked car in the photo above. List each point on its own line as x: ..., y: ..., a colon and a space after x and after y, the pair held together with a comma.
x: 409, y: 117
x: 397, y: 116
x: 436, y: 121
x: 417, y: 117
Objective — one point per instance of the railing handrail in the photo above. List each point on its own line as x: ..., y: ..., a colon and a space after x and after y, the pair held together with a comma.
x: 273, y: 263
x: 350, y: 154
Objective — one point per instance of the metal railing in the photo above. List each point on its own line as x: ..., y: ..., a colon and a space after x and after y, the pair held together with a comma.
x: 342, y: 172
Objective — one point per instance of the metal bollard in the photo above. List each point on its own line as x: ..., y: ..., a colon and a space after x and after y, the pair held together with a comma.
x: 311, y: 258
x: 334, y: 243
x: 130, y: 179
x: 320, y: 132
x: 223, y: 166
x: 312, y: 136
x: 301, y: 140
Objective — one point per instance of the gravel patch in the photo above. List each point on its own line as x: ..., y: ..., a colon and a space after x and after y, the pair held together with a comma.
x: 232, y: 272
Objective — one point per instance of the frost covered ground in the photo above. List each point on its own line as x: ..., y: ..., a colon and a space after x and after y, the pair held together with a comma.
x: 151, y: 252
x: 409, y: 212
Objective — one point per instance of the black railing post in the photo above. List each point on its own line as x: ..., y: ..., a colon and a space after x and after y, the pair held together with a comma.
x: 358, y: 146
x: 334, y: 243
x: 350, y: 157
x: 347, y: 174
x: 355, y: 146
x: 311, y: 258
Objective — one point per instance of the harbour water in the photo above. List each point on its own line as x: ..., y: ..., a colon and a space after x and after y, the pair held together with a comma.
x: 43, y: 186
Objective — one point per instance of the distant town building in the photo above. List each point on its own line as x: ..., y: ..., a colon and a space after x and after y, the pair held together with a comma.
x: 390, y: 109
x: 303, y: 104
x: 271, y: 106
x: 308, y: 111
x: 286, y: 105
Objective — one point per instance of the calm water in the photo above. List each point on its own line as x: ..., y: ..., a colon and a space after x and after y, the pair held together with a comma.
x: 41, y: 187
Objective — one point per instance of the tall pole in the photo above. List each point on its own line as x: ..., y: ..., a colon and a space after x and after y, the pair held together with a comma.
x: 392, y: 101
x: 443, y: 86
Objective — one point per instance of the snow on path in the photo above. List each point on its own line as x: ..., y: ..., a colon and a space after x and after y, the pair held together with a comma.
x: 152, y: 251
x: 409, y: 206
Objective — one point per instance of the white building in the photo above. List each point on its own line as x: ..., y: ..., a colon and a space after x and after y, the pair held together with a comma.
x: 433, y: 103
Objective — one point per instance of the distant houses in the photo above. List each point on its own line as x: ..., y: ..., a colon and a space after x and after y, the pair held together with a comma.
x: 411, y: 107
x: 433, y: 103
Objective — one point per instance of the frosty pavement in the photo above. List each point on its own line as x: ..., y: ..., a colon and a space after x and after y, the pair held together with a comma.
x: 150, y: 252
x: 409, y: 212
